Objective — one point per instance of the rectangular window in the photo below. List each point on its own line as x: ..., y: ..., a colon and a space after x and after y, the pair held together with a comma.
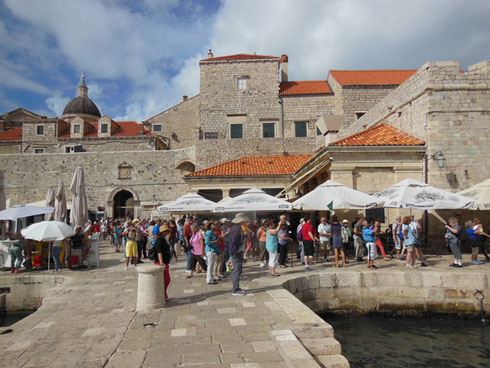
x: 268, y: 130
x: 242, y: 83
x: 76, y: 128
x: 69, y: 149
x: 211, y: 135
x: 40, y: 129
x: 38, y: 150
x: 104, y: 128
x: 236, y: 131
x: 300, y: 129
x: 157, y: 128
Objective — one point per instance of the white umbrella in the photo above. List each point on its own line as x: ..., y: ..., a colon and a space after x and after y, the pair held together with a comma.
x: 48, y: 231
x: 17, y: 212
x: 334, y: 196
x: 49, y: 203
x: 480, y: 193
x: 79, y: 210
x: 60, y: 203
x: 190, y: 202
x: 253, y: 200
x: 414, y: 194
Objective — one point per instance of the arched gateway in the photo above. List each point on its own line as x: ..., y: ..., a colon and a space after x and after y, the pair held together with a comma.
x: 124, y: 202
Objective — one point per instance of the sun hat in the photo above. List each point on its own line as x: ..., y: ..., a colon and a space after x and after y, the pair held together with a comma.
x: 135, y: 221
x: 345, y: 221
x: 164, y: 228
x: 240, y: 217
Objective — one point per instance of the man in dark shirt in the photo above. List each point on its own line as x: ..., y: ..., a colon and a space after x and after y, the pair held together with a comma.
x: 236, y: 249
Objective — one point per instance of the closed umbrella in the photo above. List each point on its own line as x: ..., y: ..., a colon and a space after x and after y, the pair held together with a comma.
x: 79, y: 210
x: 48, y: 231
x: 190, y: 202
x: 414, y: 194
x: 253, y: 200
x: 49, y: 203
x: 334, y: 196
x: 3, y: 200
x: 60, y: 203
x: 481, y: 195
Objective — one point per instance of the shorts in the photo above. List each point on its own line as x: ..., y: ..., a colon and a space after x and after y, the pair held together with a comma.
x: 410, y: 248
x: 398, y: 243
x: 131, y: 249
x: 255, y: 244
x: 308, y: 248
x: 272, y: 259
x: 474, y: 251
x: 117, y: 240
x: 325, y: 245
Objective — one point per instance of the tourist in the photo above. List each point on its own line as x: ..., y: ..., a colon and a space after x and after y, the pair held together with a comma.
x: 237, y: 249
x: 220, y: 258
x: 187, y: 232
x: 284, y: 240
x: 262, y: 236
x: 368, y: 236
x: 346, y: 233
x: 248, y: 242
x: 112, y: 225
x: 414, y: 224
x: 173, y: 237
x: 308, y: 235
x: 299, y: 237
x: 254, y: 239
x: 78, y: 240
x: 453, y: 231
x: 338, y: 244
x: 225, y: 229
x: 272, y: 244
x: 16, y: 256
x: 163, y: 252
x: 212, y: 251
x: 103, y: 230
x: 131, y: 236
x: 358, y: 241
x: 142, y: 229
x: 482, y: 236
x: 324, y: 232
x: 151, y: 236
x: 56, y: 255
x: 196, y: 244
x: 409, y: 236
x: 96, y: 227
x: 397, y: 235
x: 377, y: 239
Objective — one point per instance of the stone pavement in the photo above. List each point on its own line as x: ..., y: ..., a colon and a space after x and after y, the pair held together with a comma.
x: 90, y: 321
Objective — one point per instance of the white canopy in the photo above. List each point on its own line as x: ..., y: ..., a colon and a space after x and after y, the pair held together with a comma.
x: 48, y: 231
x: 190, y: 202
x: 480, y: 193
x: 17, y: 212
x: 414, y: 194
x: 334, y: 196
x: 253, y: 200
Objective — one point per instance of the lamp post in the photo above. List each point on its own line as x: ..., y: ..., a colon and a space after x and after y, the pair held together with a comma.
x: 440, y: 160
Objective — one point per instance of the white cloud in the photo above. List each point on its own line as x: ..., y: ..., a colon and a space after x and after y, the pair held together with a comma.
x: 57, y: 103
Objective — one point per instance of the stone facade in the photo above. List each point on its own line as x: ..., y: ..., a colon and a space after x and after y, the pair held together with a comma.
x: 153, y: 176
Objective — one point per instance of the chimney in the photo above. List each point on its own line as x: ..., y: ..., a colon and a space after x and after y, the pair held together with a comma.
x: 185, y: 98
x: 284, y: 68
x: 331, y: 136
x: 210, y: 54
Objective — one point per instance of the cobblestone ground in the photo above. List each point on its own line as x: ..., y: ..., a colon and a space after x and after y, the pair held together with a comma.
x: 90, y: 321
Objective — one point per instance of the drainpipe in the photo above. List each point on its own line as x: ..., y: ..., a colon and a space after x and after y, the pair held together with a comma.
x: 426, y: 213
x: 280, y: 128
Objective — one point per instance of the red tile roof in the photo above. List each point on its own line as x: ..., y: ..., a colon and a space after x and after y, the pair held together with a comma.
x: 380, y: 135
x: 125, y: 129
x: 256, y: 165
x: 14, y: 134
x: 371, y: 77
x: 241, y: 57
x: 304, y: 88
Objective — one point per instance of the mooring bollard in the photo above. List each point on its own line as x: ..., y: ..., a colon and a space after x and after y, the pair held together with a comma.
x: 151, y: 292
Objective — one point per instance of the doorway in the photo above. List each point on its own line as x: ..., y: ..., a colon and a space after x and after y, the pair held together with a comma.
x: 123, y: 204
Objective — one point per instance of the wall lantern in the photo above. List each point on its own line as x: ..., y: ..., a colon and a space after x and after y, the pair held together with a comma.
x: 440, y: 160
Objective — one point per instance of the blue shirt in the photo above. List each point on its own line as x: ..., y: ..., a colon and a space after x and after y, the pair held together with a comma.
x: 156, y: 230
x: 271, y: 242
x: 209, y: 237
x: 410, y: 239
x: 368, y: 235
x: 471, y: 233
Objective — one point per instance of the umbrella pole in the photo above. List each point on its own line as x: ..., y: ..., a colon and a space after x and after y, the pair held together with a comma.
x: 49, y: 255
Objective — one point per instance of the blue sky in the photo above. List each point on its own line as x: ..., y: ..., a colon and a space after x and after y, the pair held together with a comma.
x: 141, y: 57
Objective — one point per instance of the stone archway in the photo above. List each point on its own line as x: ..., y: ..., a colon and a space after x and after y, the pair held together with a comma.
x: 123, y: 202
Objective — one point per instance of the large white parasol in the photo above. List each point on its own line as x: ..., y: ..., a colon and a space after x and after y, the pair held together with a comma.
x: 480, y: 193
x: 21, y: 211
x: 414, y: 194
x: 190, y: 202
x: 253, y: 200
x: 79, y: 210
x: 334, y: 196
x: 60, y: 203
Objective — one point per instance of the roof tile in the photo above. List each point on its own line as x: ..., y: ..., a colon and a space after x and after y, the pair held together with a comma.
x: 380, y: 135
x: 125, y: 129
x: 304, y: 88
x: 14, y: 134
x: 256, y: 165
x: 371, y: 77
x: 241, y: 57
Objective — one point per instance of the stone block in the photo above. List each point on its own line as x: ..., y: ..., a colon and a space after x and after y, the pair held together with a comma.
x: 431, y: 279
x: 328, y: 280
x: 334, y: 361
x: 322, y: 346
x: 345, y: 279
x: 464, y: 280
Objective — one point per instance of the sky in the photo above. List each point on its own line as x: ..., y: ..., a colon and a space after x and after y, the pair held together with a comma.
x: 141, y: 56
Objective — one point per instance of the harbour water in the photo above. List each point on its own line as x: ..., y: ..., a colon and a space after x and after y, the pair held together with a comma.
x: 380, y: 341
x: 10, y: 319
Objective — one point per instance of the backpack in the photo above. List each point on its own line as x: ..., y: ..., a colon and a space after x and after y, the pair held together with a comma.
x: 152, y: 253
x: 299, y: 235
x: 463, y: 236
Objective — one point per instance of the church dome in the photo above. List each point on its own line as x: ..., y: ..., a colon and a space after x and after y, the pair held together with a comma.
x: 81, y: 105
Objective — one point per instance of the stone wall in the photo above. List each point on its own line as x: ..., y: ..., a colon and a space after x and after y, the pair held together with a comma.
x: 46, y: 141
x: 392, y: 291
x: 214, y: 152
x: 7, y: 147
x: 114, y: 144
x: 154, y: 177
x: 180, y: 123
x: 220, y: 96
